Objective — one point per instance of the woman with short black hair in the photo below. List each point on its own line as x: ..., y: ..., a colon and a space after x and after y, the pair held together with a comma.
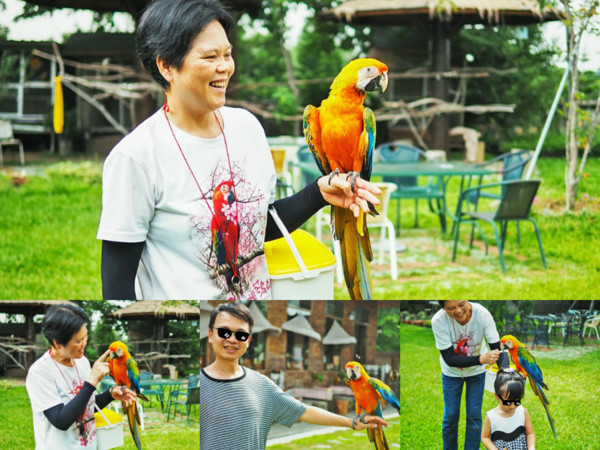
x: 62, y: 385
x: 188, y: 191
x: 459, y: 329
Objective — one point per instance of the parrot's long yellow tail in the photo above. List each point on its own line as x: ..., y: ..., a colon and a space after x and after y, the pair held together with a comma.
x: 133, y: 419
x: 356, y: 254
x: 545, y: 403
x: 377, y: 436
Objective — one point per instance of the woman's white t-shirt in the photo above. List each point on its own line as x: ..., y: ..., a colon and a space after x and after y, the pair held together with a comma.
x: 467, y: 340
x: 150, y: 195
x: 47, y: 387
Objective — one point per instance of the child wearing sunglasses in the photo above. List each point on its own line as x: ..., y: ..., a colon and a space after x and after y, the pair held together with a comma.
x: 508, y: 425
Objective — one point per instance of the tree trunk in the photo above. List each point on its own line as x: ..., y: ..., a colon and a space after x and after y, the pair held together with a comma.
x: 571, y: 128
x: 571, y: 142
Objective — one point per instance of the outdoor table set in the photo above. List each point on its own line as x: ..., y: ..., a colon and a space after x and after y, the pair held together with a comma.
x: 571, y: 323
x: 444, y: 170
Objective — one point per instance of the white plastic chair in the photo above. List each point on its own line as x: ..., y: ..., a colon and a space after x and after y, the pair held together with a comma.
x: 381, y: 221
x: 592, y: 323
x: 7, y: 138
x: 387, y: 227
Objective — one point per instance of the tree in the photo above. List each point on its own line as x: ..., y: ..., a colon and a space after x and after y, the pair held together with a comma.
x: 528, y: 82
x: 581, y: 19
x: 388, y: 321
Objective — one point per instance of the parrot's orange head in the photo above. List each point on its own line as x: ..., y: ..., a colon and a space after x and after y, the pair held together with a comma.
x: 509, y: 342
x: 354, y: 371
x: 364, y: 74
x: 118, y: 350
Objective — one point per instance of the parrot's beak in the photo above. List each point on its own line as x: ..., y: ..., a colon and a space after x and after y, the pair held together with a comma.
x: 378, y: 83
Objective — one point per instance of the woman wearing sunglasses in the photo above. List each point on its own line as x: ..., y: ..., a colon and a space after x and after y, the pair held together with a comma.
x: 459, y: 329
x: 238, y: 404
x: 508, y: 425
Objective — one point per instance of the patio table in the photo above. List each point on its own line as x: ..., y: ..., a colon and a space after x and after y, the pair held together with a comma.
x: 445, y: 170
x: 162, y: 382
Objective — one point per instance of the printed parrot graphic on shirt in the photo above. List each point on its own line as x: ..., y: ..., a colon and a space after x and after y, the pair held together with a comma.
x: 224, y: 227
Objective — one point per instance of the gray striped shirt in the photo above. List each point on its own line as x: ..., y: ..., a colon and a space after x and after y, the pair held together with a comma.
x: 237, y: 414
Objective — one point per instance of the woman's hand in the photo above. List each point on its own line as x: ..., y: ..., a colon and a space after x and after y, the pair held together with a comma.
x: 126, y: 395
x: 99, y: 370
x: 490, y: 357
x: 372, y: 422
x: 338, y: 192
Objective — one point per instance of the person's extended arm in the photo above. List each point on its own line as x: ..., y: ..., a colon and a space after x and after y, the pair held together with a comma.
x: 337, y: 191
x: 295, y: 210
x: 119, y: 267
x: 486, y: 431
x: 63, y: 416
x: 454, y: 360
x: 318, y: 416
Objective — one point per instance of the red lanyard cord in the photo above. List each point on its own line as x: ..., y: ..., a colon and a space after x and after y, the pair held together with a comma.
x: 64, y: 378
x: 231, y: 259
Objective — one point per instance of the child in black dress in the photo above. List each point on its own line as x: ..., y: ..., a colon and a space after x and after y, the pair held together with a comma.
x: 508, y: 425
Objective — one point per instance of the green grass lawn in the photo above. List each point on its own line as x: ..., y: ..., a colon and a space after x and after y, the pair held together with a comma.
x: 16, y: 424
x: 574, y: 391
x: 344, y: 439
x: 49, y: 248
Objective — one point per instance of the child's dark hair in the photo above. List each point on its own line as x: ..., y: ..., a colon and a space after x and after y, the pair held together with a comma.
x: 509, y: 384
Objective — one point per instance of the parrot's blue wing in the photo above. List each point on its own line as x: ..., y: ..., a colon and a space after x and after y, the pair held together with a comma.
x: 368, y: 141
x: 527, y: 360
x: 134, y: 375
x: 384, y: 392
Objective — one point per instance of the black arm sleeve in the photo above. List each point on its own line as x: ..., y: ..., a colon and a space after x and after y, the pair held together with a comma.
x: 295, y: 210
x: 119, y: 266
x: 63, y: 416
x: 102, y: 400
x: 454, y: 360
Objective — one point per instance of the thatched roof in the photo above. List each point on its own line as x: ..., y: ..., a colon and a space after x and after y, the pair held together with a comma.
x: 168, y: 309
x: 134, y: 7
x: 508, y: 12
x: 24, y: 306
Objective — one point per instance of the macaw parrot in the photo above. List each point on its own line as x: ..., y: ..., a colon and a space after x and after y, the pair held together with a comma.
x: 525, y: 363
x: 371, y: 395
x: 224, y: 228
x: 341, y: 136
x: 124, y: 371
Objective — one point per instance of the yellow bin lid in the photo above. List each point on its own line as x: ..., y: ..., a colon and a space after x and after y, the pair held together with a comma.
x: 281, y: 261
x: 112, y: 417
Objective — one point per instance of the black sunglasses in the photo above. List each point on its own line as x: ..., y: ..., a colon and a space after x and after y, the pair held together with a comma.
x: 517, y: 402
x: 225, y: 333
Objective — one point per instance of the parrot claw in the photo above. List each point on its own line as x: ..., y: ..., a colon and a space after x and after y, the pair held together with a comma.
x: 333, y: 174
x: 353, y: 176
x: 360, y: 417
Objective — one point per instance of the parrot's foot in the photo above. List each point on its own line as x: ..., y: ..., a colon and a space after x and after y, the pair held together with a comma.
x: 353, y: 176
x: 360, y: 417
x: 333, y: 174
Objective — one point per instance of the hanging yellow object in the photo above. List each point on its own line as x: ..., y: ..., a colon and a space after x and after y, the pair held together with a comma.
x: 59, y: 108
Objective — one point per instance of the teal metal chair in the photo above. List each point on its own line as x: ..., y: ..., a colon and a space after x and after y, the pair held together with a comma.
x: 156, y: 392
x: 513, y: 166
x: 515, y: 205
x: 185, y: 399
x: 408, y: 187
